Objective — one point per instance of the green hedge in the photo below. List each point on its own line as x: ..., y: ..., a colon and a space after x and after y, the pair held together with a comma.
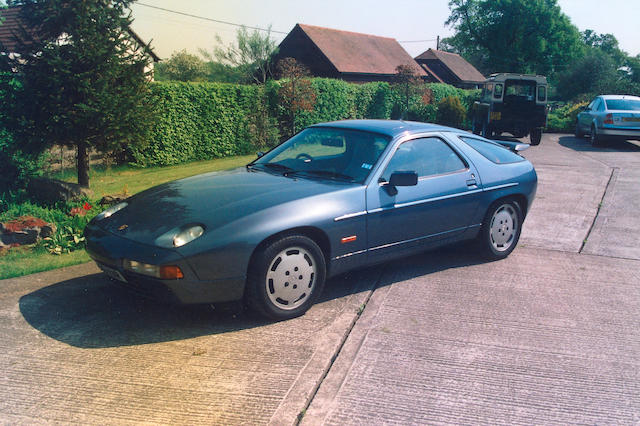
x: 198, y: 121
x: 201, y: 121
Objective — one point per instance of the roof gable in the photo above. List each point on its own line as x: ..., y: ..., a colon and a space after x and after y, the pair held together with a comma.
x: 12, y: 24
x: 455, y: 63
x: 359, y: 53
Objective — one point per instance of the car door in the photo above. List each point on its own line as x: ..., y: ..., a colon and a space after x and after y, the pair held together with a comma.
x: 586, y: 117
x: 439, y: 207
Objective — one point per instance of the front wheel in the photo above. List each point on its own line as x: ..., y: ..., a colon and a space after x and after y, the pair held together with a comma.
x: 536, y: 136
x: 577, y: 132
x: 286, y: 278
x: 501, y: 229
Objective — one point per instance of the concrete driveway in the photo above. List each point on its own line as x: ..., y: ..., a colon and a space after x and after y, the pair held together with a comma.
x: 549, y: 335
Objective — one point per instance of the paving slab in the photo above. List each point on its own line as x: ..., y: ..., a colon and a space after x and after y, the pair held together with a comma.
x: 77, y: 348
x: 543, y: 337
x: 570, y: 189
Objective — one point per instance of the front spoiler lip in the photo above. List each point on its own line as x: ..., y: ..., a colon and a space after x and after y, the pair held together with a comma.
x: 188, y: 290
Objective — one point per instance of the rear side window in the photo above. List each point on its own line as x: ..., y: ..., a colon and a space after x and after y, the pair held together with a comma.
x: 492, y: 151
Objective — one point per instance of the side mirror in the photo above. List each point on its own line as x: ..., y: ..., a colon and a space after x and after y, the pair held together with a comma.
x: 403, y: 179
x: 260, y: 154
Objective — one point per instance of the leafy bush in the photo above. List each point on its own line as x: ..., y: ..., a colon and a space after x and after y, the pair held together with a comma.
x: 423, y: 112
x: 451, y: 112
x: 16, y: 167
x: 562, y: 119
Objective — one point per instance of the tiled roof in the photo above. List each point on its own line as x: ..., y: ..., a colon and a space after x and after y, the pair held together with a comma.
x: 456, y: 64
x: 11, y: 26
x: 8, y: 27
x: 360, y: 53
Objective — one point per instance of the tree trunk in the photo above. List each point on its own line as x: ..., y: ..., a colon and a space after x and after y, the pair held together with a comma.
x: 83, y: 164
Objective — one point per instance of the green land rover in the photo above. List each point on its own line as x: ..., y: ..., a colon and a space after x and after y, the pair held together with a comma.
x: 512, y: 103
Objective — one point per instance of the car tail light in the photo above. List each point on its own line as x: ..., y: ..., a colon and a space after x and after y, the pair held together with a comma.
x: 608, y: 119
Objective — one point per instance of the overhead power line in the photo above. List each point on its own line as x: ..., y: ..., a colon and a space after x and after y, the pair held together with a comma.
x: 418, y: 41
x: 204, y: 18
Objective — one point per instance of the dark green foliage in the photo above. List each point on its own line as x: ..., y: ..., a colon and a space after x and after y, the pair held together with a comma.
x: 451, y: 112
x: 423, y: 112
x: 90, y: 90
x: 526, y: 36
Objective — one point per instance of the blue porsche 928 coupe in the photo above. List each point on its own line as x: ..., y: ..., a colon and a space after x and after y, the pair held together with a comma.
x: 336, y: 196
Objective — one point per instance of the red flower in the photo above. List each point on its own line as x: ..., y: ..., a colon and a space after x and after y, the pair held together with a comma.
x: 87, y: 206
x: 77, y: 211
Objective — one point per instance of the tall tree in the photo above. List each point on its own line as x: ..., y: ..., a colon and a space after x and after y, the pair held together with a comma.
x: 527, y: 36
x: 251, y: 53
x: 83, y: 77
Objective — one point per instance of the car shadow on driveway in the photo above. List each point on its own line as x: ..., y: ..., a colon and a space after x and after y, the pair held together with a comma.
x: 94, y: 312
x: 583, y: 145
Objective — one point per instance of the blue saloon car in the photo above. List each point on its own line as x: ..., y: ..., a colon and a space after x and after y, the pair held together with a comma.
x: 335, y: 197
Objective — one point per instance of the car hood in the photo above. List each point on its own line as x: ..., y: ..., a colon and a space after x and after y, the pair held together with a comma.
x: 211, y: 199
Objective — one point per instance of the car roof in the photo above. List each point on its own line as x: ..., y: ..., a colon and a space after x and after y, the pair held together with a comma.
x: 391, y: 128
x: 605, y: 97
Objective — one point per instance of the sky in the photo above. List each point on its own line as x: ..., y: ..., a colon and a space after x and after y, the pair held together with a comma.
x: 415, y: 23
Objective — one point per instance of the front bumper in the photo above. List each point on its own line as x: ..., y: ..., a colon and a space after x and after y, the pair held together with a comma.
x: 108, y: 251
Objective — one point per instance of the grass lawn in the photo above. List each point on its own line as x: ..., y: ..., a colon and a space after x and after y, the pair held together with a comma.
x: 23, y: 261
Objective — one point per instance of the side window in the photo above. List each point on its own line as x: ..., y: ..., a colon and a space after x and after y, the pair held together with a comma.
x: 498, y: 91
x: 542, y: 93
x: 591, y: 105
x: 426, y: 157
x: 601, y: 105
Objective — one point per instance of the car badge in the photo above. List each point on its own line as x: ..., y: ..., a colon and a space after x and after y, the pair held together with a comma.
x: 123, y: 227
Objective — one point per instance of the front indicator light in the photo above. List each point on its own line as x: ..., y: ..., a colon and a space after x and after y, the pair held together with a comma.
x: 163, y: 272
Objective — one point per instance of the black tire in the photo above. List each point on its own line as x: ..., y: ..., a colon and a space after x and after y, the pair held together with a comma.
x: 577, y: 132
x: 500, y: 230
x: 594, y: 138
x: 535, y: 136
x: 273, y: 290
x: 486, y: 130
x: 475, y: 127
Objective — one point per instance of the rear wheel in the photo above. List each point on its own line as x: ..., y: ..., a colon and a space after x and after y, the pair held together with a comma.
x: 501, y: 229
x: 475, y: 127
x: 594, y: 138
x: 535, y: 136
x: 486, y: 130
x: 286, y: 278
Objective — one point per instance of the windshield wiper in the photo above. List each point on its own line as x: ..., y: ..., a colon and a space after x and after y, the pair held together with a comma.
x: 275, y: 167
x: 330, y: 174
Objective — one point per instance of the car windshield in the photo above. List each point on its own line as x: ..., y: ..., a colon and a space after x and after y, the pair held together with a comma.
x: 326, y: 153
x: 623, y: 104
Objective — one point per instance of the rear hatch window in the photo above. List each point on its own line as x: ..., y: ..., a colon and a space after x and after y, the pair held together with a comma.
x: 492, y: 151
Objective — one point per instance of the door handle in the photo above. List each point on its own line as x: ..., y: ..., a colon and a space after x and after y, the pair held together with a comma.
x: 472, y: 182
